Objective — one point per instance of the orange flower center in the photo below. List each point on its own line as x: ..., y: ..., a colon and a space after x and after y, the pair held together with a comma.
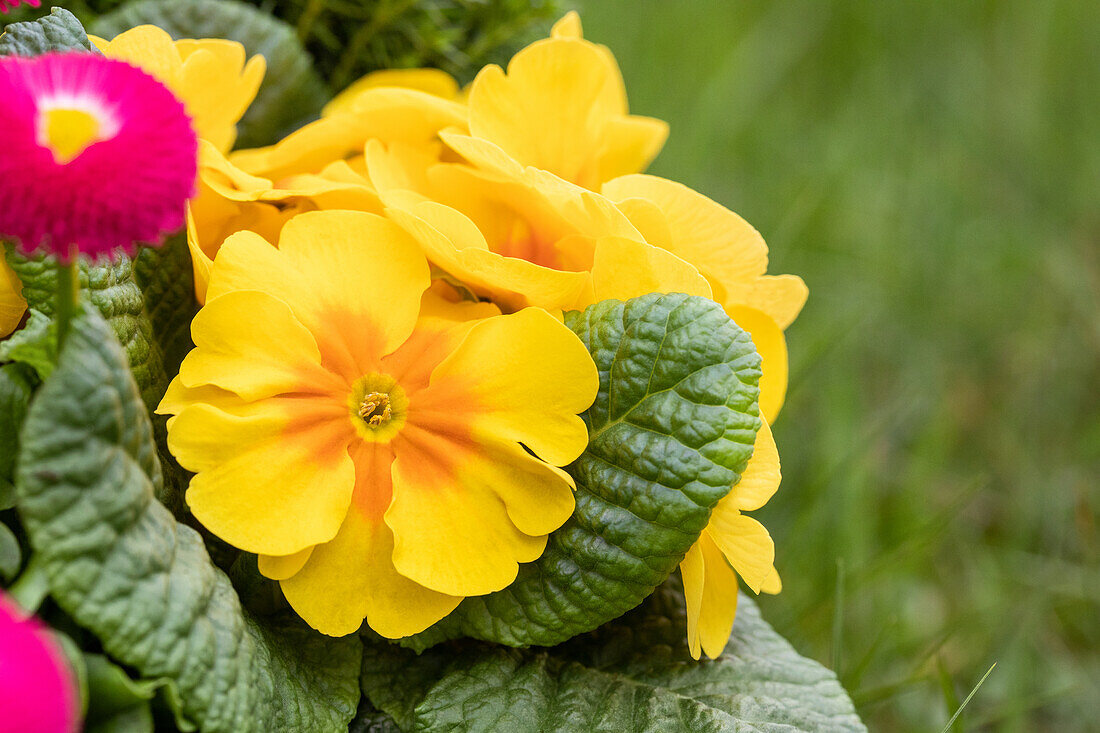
x: 377, y: 407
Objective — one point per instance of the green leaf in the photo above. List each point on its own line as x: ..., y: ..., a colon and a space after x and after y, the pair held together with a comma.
x: 16, y: 385
x: 124, y: 569
x: 669, y: 434
x: 34, y: 345
x: 58, y: 31
x: 116, y: 702
x: 632, y: 675
x: 11, y: 557
x: 292, y: 93
x: 149, y: 302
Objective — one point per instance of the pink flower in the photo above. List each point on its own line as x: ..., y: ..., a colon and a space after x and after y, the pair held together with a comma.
x: 37, y: 690
x: 6, y: 5
x: 94, y: 154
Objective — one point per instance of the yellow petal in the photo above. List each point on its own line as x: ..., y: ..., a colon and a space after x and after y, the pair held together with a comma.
x: 725, y: 248
x: 353, y: 577
x: 431, y: 81
x: 780, y: 296
x: 353, y: 279
x: 624, y: 268
x: 761, y: 477
x: 771, y: 585
x: 452, y: 533
x: 549, y: 110
x: 634, y: 143
x: 251, y: 344
x: 12, y: 304
x: 439, y: 330
x: 281, y: 567
x: 200, y: 261
x: 282, y: 495
x: 454, y: 244
x: 745, y: 543
x: 527, y: 378
x: 367, y: 274
x: 568, y: 27
x: 772, y: 347
x: 150, y: 49
x: 710, y: 592
x: 538, y: 496
x: 213, y: 89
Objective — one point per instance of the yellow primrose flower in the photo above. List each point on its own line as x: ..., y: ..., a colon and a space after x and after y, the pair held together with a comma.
x: 732, y: 544
x: 731, y: 255
x: 12, y: 304
x: 562, y: 107
x: 521, y: 236
x: 208, y: 75
x: 385, y: 451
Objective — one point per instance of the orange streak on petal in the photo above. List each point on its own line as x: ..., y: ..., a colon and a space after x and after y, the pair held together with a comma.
x: 373, y: 485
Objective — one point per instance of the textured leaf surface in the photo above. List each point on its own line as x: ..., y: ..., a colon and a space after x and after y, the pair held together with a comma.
x: 292, y: 93
x: 16, y: 385
x: 632, y: 675
x: 670, y: 431
x: 123, y: 568
x: 149, y: 303
x: 58, y: 31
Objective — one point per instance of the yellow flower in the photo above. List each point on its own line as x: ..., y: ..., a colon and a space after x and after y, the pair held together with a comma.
x: 732, y: 544
x: 384, y: 451
x: 562, y: 107
x: 209, y: 76
x: 12, y: 304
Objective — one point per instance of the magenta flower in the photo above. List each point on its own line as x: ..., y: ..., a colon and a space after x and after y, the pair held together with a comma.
x: 6, y: 5
x: 95, y: 154
x: 37, y: 690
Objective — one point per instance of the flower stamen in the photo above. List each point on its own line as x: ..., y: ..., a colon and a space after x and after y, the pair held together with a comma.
x: 375, y: 409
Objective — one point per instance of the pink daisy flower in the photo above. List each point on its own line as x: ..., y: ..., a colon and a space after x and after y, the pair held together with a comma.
x: 95, y: 154
x: 6, y: 5
x: 37, y: 691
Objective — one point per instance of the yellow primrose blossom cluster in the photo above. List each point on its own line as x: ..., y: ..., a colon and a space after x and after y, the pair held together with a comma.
x: 382, y: 393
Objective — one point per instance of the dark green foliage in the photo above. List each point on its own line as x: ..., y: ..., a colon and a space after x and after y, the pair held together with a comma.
x: 633, y: 675
x: 349, y: 39
x: 149, y: 302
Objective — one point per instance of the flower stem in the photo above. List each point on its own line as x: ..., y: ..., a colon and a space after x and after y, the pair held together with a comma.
x: 68, y: 295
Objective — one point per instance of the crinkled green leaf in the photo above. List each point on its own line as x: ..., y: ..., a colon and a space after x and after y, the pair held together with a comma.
x: 16, y: 385
x: 149, y: 302
x: 670, y: 431
x: 292, y: 93
x: 632, y: 675
x: 123, y: 568
x: 58, y: 31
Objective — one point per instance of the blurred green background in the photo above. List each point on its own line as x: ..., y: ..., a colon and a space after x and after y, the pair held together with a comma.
x: 932, y: 170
